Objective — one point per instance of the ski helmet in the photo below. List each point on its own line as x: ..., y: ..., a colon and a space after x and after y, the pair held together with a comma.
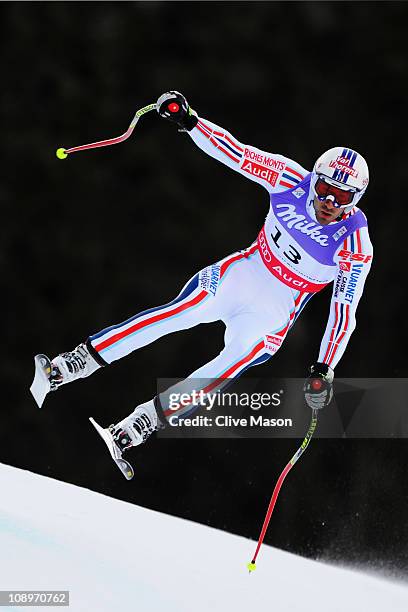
x: 343, y: 169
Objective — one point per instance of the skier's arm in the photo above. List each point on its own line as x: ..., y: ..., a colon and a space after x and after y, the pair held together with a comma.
x: 354, y: 261
x: 271, y: 170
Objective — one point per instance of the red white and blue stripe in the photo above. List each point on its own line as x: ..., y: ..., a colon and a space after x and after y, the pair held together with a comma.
x: 338, y: 332
x: 353, y: 242
x: 187, y: 300
x: 190, y: 298
x: 341, y: 175
x: 222, y: 141
x: 290, y: 177
x: 300, y: 302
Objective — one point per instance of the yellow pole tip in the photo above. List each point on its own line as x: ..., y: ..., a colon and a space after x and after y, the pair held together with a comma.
x: 61, y: 154
x: 251, y: 566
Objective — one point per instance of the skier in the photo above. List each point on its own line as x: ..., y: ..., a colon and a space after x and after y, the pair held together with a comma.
x: 313, y: 235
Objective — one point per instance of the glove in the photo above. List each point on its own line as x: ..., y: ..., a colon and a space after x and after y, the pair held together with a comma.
x: 174, y: 107
x: 318, y: 387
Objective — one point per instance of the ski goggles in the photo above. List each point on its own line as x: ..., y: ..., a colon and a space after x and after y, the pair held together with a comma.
x: 341, y: 197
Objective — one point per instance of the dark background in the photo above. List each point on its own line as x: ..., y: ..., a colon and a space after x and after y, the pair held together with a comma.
x: 91, y: 241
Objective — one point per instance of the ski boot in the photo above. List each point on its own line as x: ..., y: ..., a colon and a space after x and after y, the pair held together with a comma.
x: 50, y: 375
x: 131, y: 431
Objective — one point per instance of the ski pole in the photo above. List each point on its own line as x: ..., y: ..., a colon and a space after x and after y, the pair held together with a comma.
x: 313, y: 423
x: 63, y: 153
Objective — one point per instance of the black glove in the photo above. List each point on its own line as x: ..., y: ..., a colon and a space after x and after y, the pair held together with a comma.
x: 174, y: 107
x: 318, y: 386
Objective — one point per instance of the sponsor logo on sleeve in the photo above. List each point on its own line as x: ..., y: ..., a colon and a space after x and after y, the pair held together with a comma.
x: 340, y: 284
x: 352, y: 283
x: 260, y: 171
x: 350, y: 256
x: 345, y: 266
x: 264, y: 160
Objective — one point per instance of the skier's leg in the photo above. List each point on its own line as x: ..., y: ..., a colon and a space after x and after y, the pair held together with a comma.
x: 192, y: 306
x: 205, y: 298
x: 250, y: 339
x: 248, y: 342
x: 215, y: 293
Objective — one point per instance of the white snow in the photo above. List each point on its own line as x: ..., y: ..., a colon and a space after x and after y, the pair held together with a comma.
x: 112, y: 555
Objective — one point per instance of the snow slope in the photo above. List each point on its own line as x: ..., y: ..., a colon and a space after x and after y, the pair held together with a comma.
x: 115, y: 556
